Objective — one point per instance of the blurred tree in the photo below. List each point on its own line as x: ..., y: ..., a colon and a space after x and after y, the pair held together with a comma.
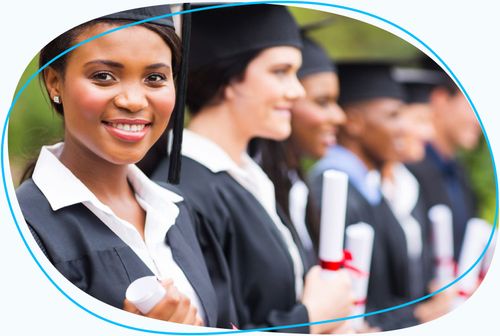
x: 480, y: 168
x: 32, y: 123
x: 346, y: 39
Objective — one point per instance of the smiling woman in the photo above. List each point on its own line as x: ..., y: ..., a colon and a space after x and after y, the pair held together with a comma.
x: 99, y: 220
x: 118, y: 94
x: 242, y: 84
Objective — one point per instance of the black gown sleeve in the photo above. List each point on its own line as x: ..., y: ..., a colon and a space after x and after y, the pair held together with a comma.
x: 248, y: 263
x: 38, y: 240
x: 233, y: 310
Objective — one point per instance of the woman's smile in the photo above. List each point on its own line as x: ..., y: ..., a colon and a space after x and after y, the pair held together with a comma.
x: 118, y: 93
x: 128, y: 130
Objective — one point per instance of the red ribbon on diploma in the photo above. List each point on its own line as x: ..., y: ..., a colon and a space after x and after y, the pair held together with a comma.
x: 360, y: 302
x: 464, y: 294
x: 344, y: 263
x: 448, y: 261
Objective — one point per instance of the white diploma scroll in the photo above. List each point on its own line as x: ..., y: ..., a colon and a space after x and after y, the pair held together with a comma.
x: 488, y: 257
x: 145, y: 293
x: 359, y: 242
x: 333, y: 209
x: 475, y: 239
x: 442, y: 233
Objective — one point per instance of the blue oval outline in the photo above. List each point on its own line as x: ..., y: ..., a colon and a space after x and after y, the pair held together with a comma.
x: 428, y: 48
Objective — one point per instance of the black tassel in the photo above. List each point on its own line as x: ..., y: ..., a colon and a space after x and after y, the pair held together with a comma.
x: 178, y: 122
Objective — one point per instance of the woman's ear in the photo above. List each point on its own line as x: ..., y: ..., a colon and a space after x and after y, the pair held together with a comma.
x: 53, y: 83
x: 229, y: 92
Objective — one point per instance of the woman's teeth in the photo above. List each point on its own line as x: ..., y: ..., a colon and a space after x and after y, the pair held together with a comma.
x: 129, y: 127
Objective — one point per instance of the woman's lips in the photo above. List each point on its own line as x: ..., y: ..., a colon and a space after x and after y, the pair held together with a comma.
x: 329, y: 139
x: 129, y: 130
x: 284, y: 112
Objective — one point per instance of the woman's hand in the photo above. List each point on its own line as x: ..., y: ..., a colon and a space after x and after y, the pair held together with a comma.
x: 327, y: 299
x: 366, y: 328
x: 437, y: 306
x: 174, y: 307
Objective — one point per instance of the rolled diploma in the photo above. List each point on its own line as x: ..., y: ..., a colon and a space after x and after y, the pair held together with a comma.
x: 359, y: 242
x: 488, y: 257
x: 475, y: 239
x: 145, y: 293
x: 334, y: 200
x: 442, y: 231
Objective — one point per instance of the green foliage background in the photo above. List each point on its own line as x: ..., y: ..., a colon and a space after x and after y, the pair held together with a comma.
x: 33, y: 123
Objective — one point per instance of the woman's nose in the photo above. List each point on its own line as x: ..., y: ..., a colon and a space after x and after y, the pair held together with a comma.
x: 295, y: 90
x: 131, y: 98
x: 336, y: 115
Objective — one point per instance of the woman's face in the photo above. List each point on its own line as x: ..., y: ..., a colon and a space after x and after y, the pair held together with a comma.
x: 316, y: 116
x: 261, y: 103
x: 382, y: 131
x: 117, y: 92
x: 419, y: 130
x: 462, y: 129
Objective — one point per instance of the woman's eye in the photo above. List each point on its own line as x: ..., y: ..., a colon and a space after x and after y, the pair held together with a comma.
x: 324, y: 102
x: 156, y: 78
x: 280, y: 72
x: 395, y: 114
x: 103, y: 77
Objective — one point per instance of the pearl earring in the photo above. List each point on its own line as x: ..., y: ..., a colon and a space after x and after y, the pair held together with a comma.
x: 57, y: 100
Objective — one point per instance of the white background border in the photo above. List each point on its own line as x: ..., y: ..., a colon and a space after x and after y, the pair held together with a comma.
x: 464, y: 35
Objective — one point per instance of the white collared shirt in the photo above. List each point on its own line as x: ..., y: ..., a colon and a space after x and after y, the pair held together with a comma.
x: 251, y: 177
x: 297, y: 200
x: 62, y: 188
x: 402, y: 195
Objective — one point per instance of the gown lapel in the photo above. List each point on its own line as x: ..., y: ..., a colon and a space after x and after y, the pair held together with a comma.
x: 191, y: 266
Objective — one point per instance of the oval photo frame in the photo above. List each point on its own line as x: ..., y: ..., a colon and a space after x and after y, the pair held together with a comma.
x: 312, y: 3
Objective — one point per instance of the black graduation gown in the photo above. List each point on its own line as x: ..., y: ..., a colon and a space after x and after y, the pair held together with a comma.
x: 97, y: 261
x: 246, y: 256
x: 390, y: 283
x: 432, y: 180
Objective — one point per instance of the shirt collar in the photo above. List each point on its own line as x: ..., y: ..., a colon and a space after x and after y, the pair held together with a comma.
x: 402, y: 191
x: 207, y: 153
x: 248, y: 174
x: 62, y: 188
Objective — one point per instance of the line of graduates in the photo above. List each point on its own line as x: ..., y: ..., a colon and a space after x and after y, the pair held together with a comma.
x: 234, y: 243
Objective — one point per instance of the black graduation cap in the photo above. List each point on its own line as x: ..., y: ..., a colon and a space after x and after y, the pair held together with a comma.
x: 362, y: 81
x: 177, y: 118
x: 143, y: 13
x: 418, y: 83
x: 225, y: 32
x: 442, y: 78
x: 314, y: 59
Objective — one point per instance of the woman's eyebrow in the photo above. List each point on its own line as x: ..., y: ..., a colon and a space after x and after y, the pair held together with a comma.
x: 109, y: 63
x: 283, y: 64
x: 114, y: 64
x: 157, y: 65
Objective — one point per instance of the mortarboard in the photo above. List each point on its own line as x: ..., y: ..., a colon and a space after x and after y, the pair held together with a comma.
x: 225, y: 32
x: 314, y: 59
x: 362, y: 81
x: 143, y: 13
x: 418, y: 83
